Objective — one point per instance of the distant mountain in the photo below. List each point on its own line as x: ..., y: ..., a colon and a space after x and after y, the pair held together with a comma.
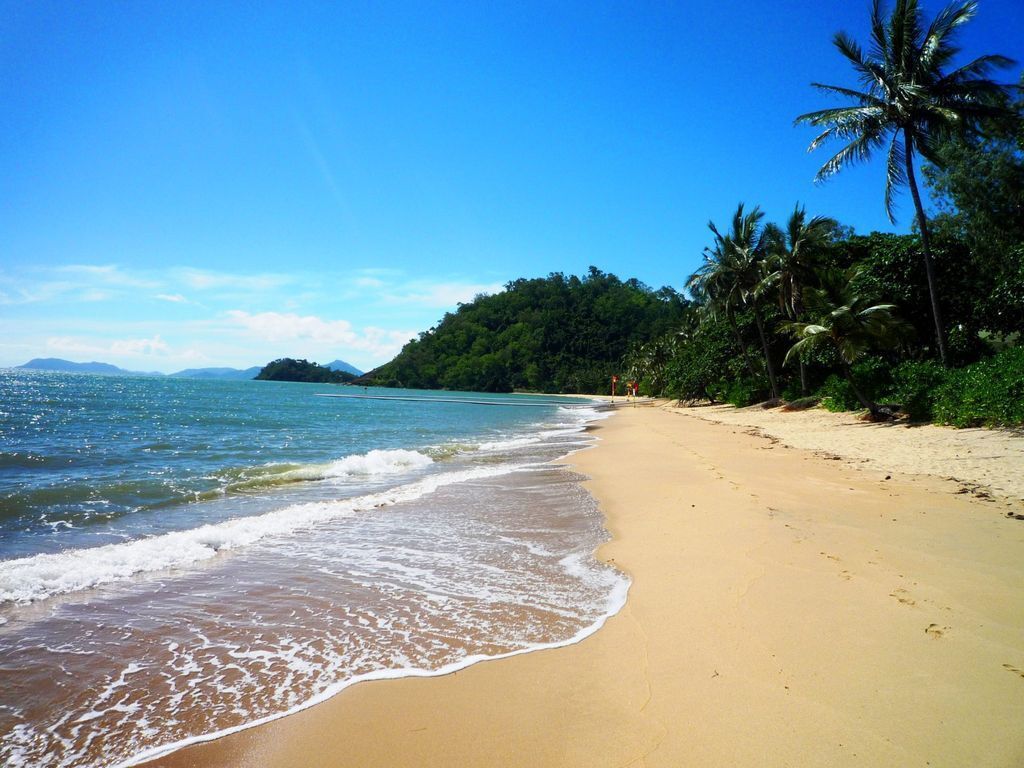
x: 341, y: 365
x: 231, y: 374
x: 56, y: 364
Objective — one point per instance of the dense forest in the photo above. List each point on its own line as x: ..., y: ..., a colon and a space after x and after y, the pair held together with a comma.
x: 287, y: 369
x: 551, y: 334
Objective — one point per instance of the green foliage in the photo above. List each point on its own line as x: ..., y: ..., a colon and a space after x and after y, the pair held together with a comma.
x: 844, y: 317
x: 987, y: 393
x: 837, y: 395
x: 744, y: 391
x: 915, y: 385
x: 874, y: 379
x: 978, y: 187
x: 704, y: 360
x: 287, y: 369
x: 908, y: 94
x: 553, y: 334
x: 732, y: 276
x: 975, y: 298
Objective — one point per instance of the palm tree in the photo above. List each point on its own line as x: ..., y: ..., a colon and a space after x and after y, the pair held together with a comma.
x: 646, y: 362
x: 848, y: 322
x: 732, y: 270
x: 793, y: 256
x: 910, y: 102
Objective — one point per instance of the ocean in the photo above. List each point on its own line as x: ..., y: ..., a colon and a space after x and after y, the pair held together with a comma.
x: 184, y: 558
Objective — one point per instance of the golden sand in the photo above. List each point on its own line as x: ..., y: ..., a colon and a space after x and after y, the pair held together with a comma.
x: 787, y: 609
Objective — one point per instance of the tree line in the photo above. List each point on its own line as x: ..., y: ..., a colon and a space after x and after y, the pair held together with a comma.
x: 552, y: 334
x: 289, y: 369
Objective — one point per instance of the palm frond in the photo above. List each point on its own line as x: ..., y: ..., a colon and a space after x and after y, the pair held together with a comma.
x: 856, y: 151
x: 866, y: 99
x: 936, y: 39
x: 868, y: 72
x: 879, y: 39
x: 895, y: 174
x: 907, y: 85
x: 811, y: 337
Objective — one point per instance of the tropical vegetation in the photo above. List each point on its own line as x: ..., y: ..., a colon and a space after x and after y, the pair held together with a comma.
x: 555, y: 334
x: 911, y: 101
x: 926, y: 324
x: 288, y: 369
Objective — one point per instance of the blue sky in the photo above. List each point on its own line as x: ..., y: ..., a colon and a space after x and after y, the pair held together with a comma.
x: 198, y: 184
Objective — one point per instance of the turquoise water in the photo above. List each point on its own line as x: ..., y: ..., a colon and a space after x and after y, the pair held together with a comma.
x: 88, y: 459
x: 182, y: 558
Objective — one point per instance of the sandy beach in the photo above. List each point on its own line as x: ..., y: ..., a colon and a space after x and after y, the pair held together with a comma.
x: 789, y: 607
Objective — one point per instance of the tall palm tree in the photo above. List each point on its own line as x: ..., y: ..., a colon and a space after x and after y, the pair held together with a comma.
x: 850, y: 323
x: 793, y: 256
x: 911, y: 102
x: 732, y: 270
x: 716, y: 290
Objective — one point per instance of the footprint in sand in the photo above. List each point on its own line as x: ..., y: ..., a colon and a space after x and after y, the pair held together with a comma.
x: 935, y: 631
x: 1014, y: 669
x: 904, y: 597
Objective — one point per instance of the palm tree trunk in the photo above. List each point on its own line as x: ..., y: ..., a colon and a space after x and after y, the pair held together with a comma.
x: 869, y: 404
x: 767, y: 355
x: 743, y: 346
x: 797, y: 309
x: 929, y: 265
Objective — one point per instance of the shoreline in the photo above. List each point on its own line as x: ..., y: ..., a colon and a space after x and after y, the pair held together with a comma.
x: 785, y: 609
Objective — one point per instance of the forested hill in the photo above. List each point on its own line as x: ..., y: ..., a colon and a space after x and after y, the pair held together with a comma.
x: 551, y: 334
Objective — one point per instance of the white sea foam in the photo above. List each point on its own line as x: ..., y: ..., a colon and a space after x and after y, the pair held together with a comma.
x: 377, y: 463
x: 374, y: 463
x: 41, y: 576
x: 509, y: 444
x: 615, y: 601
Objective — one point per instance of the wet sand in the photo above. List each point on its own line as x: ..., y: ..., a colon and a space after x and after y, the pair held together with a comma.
x: 787, y: 608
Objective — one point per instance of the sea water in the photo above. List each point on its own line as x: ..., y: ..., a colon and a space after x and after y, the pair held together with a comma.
x: 183, y: 558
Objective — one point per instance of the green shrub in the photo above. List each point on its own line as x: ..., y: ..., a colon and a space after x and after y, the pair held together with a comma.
x: 915, y: 387
x: 873, y: 376
x: 987, y: 393
x: 837, y: 395
x: 743, y: 392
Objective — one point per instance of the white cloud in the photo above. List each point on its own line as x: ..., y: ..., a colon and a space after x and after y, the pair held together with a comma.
x: 95, y: 295
x: 175, y: 298
x: 368, y: 282
x: 441, y: 295
x: 120, y: 347
x: 274, y: 327
x: 69, y: 345
x: 72, y: 282
x: 107, y: 274
x: 204, y: 280
x: 140, y: 347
